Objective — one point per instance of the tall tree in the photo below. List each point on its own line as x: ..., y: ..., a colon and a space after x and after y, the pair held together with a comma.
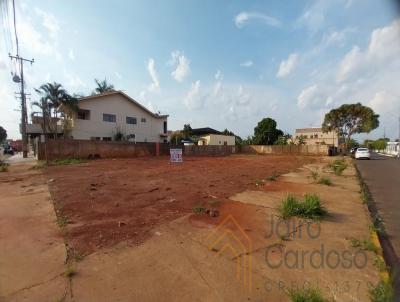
x: 266, y: 132
x: 350, y: 119
x: 103, y: 86
x: 187, y: 131
x: 3, y: 134
x: 238, y: 139
x: 55, y: 102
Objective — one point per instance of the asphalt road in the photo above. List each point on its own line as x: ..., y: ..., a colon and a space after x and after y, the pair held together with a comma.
x: 382, y: 175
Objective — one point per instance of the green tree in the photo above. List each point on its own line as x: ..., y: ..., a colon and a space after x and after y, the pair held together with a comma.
x: 353, y: 144
x: 55, y: 102
x: 187, y: 131
x: 103, y: 86
x: 350, y: 119
x: 3, y: 134
x: 266, y: 132
x: 301, y: 140
x: 283, y: 139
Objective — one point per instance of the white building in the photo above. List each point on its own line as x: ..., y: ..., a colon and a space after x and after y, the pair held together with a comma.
x: 102, y: 116
x: 393, y: 148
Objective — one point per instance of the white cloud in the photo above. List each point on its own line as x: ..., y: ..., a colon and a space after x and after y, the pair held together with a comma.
x: 385, y: 103
x: 242, y: 97
x: 181, y: 65
x: 247, y: 64
x: 313, y: 97
x: 382, y: 51
x: 118, y: 75
x: 287, y: 66
x: 244, y: 17
x: 71, y: 55
x: 219, y: 76
x: 151, y: 68
x: 50, y: 22
x: 194, y: 99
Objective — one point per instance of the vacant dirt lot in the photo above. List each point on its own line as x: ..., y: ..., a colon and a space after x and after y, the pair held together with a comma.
x: 110, y: 201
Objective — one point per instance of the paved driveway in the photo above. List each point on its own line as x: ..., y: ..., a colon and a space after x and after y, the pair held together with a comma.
x: 382, y: 175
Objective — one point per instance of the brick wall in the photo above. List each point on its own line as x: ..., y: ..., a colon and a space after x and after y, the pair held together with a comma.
x: 287, y: 149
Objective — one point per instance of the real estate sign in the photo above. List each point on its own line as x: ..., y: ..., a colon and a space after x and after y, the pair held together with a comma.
x: 176, y: 155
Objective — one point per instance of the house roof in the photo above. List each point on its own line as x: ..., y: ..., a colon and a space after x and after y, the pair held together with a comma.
x: 312, y: 129
x: 204, y: 131
x: 95, y: 96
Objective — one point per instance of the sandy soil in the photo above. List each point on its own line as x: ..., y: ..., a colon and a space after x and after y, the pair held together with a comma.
x: 109, y: 201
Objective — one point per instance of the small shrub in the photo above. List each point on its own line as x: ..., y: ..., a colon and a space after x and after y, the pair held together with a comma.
x: 273, y: 177
x: 306, y: 295
x: 199, y: 209
x: 259, y: 182
x: 62, y: 221
x: 338, y: 166
x: 311, y: 207
x: 325, y: 181
x: 380, y: 264
x: 65, y: 162
x: 364, y: 244
x: 382, y: 292
x: 314, y: 175
x: 4, y: 167
x: 70, y: 272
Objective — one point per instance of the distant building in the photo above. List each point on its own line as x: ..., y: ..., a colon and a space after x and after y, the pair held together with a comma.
x: 315, y: 136
x: 211, y: 137
x: 393, y: 148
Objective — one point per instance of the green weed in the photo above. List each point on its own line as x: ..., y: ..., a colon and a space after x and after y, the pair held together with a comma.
x: 306, y: 295
x: 382, y: 292
x: 199, y: 209
x: 311, y: 207
x: 338, y: 166
x: 364, y: 244
x: 325, y: 181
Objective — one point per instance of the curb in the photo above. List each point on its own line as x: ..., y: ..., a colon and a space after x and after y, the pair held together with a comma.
x: 385, y: 251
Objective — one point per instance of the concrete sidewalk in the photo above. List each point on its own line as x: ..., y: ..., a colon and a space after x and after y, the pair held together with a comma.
x: 32, y: 251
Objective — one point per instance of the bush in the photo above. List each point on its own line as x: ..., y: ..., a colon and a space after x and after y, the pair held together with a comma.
x: 364, y: 244
x: 325, y: 181
x: 306, y: 295
x: 311, y: 207
x: 199, y: 209
x: 3, y: 167
x: 338, y: 166
x: 382, y: 292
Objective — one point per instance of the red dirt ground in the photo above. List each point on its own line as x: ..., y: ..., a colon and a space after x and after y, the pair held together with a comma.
x: 110, y: 201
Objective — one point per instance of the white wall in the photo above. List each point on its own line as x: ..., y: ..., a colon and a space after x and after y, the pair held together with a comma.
x: 122, y: 107
x: 217, y: 139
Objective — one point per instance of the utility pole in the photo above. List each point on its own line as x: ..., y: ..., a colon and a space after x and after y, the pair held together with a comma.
x: 24, y: 115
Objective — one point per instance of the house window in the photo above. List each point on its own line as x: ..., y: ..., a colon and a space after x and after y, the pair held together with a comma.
x: 131, y: 120
x: 165, y: 127
x: 107, y: 138
x: 143, y: 120
x: 83, y: 114
x: 111, y: 118
x: 95, y: 138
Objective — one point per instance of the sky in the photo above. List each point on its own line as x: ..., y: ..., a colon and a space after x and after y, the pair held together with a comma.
x: 219, y: 64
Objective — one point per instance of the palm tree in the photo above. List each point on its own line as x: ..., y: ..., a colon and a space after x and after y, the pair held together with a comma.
x: 102, y: 86
x: 55, y: 102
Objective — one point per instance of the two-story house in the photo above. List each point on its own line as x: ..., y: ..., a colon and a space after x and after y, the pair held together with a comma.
x: 110, y: 116
x: 103, y: 116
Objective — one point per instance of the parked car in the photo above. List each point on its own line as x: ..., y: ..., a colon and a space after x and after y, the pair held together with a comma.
x: 362, y: 153
x: 8, y: 150
x: 353, y: 151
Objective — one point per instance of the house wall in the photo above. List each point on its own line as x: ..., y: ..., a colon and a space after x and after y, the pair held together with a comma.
x: 317, y: 137
x: 218, y: 140
x: 122, y: 107
x: 286, y: 149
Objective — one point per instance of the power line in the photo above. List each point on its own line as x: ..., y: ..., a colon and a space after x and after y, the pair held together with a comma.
x: 15, y: 28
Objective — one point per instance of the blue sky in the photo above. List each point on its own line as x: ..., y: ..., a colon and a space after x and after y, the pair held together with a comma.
x: 223, y: 64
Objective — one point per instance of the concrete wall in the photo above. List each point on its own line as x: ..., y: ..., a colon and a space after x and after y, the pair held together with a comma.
x: 58, y: 149
x: 287, y: 149
x: 122, y: 107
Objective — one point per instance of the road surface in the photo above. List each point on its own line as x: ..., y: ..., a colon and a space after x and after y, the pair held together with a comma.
x: 382, y: 175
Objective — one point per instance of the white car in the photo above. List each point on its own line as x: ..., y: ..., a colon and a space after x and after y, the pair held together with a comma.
x: 362, y: 153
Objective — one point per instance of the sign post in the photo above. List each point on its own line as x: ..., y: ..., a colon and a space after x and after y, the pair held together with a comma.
x: 176, y: 155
